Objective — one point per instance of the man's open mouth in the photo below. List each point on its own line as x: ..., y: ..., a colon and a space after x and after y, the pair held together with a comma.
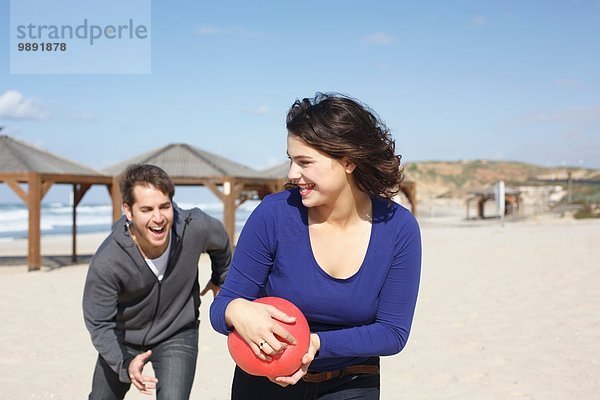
x: 157, y: 231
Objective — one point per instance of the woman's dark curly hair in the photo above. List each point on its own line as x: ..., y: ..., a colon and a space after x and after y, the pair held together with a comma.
x: 341, y: 126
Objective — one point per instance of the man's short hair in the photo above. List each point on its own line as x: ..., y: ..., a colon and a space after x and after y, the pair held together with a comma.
x: 145, y: 175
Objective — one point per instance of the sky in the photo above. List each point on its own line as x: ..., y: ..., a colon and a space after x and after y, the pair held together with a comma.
x: 500, y: 80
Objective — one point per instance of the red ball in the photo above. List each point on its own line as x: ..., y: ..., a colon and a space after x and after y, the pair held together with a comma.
x: 284, y: 363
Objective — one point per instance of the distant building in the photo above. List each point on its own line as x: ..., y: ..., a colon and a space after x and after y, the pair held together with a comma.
x: 512, y: 201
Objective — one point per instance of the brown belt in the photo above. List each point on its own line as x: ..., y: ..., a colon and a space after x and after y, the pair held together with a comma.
x: 315, y: 377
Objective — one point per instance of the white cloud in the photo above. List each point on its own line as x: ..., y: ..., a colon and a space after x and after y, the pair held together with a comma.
x: 573, y: 134
x: 478, y: 21
x: 378, y: 38
x: 383, y: 67
x: 83, y: 116
x: 205, y: 30
x: 14, y: 105
x: 576, y: 115
x: 10, y: 130
x: 261, y: 110
x: 566, y: 82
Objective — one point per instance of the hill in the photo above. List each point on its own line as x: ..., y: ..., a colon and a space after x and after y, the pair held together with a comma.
x: 457, y: 179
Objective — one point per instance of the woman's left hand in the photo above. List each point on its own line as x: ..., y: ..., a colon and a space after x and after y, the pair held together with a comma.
x: 313, y: 348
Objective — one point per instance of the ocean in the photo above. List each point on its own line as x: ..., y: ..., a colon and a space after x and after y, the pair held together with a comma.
x: 91, y: 218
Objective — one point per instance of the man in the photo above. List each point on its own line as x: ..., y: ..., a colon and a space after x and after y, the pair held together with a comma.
x: 142, y: 295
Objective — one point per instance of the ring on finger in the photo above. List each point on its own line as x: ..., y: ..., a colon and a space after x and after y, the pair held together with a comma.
x: 261, y: 344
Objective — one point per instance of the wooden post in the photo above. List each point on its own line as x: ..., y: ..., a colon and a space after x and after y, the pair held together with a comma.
x: 115, y: 197
x: 231, y: 190
x: 229, y: 217
x: 481, y: 207
x: 413, y: 199
x: 468, y: 205
x: 78, y: 191
x: 74, y: 226
x: 228, y: 199
x: 34, y: 199
x: 410, y: 191
x: 229, y: 196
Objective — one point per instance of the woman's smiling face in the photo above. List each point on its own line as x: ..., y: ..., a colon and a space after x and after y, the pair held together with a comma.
x: 319, y: 177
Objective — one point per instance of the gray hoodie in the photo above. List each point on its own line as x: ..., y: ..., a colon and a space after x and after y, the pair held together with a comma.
x: 123, y: 301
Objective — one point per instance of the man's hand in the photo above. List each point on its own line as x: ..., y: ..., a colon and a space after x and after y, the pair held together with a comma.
x: 145, y: 384
x: 212, y: 287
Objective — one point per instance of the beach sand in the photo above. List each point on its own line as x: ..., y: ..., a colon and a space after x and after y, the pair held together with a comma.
x: 504, y: 312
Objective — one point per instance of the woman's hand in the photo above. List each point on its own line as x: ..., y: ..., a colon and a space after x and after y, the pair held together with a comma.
x: 257, y: 324
x: 315, y: 345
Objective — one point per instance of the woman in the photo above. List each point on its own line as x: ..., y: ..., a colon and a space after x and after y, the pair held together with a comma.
x: 337, y: 247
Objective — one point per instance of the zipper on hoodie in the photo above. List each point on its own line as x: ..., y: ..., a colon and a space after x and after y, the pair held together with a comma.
x: 175, y: 256
x: 153, y: 316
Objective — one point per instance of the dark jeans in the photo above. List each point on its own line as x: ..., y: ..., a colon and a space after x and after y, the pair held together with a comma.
x: 250, y: 387
x: 173, y: 362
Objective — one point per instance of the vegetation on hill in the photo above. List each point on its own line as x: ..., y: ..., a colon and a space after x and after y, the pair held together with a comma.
x: 458, y: 179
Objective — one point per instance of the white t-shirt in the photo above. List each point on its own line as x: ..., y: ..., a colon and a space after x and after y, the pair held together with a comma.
x: 159, y: 265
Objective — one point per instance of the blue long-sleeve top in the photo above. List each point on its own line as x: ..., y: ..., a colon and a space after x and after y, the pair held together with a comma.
x: 367, y: 314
